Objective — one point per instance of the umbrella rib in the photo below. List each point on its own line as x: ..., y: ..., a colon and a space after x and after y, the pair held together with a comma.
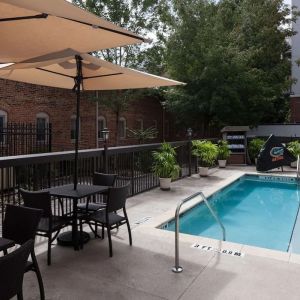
x: 57, y: 73
x: 107, y: 29
x: 99, y: 76
x: 40, y: 16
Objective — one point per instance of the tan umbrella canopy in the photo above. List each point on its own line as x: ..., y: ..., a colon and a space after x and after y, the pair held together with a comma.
x: 30, y: 28
x: 72, y: 70
x: 59, y: 70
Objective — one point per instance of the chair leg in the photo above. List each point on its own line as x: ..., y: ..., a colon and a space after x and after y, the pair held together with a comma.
x: 81, y: 233
x: 20, y: 295
x: 38, y: 275
x: 129, y: 232
x: 109, y: 241
x: 49, y: 250
x: 96, y: 230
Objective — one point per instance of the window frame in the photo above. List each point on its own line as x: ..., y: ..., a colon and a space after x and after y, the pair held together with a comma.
x: 73, y: 117
x: 141, y: 123
x: 101, y: 118
x: 3, y: 138
x: 122, y: 120
x: 41, y: 137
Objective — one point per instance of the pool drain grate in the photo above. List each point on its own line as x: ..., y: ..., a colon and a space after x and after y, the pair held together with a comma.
x: 221, y: 251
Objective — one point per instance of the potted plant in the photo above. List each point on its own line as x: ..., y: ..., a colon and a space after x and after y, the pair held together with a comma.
x: 223, y: 153
x: 254, y: 148
x: 165, y: 165
x: 207, y: 153
x: 294, y: 148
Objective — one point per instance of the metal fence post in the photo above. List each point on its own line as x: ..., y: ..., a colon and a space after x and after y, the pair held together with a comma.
x: 50, y: 137
x: 105, y: 158
x: 189, y: 134
x: 132, y: 174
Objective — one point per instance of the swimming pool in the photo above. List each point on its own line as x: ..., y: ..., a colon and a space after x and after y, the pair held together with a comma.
x: 255, y: 210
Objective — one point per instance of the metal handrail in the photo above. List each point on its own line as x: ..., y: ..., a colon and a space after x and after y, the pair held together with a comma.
x: 298, y: 167
x: 177, y: 268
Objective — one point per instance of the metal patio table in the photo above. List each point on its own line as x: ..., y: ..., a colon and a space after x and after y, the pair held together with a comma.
x: 67, y: 191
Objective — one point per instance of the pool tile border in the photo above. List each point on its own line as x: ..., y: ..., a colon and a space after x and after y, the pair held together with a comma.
x: 155, y: 223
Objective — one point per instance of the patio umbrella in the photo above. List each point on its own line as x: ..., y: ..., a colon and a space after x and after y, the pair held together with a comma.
x: 31, y: 28
x: 72, y: 70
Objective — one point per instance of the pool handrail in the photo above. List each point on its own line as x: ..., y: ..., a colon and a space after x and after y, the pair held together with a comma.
x: 177, y: 268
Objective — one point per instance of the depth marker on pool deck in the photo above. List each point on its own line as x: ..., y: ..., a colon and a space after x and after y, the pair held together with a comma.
x: 141, y: 221
x: 221, y: 251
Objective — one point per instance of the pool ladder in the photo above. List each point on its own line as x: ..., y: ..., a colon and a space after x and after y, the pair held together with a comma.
x: 177, y: 268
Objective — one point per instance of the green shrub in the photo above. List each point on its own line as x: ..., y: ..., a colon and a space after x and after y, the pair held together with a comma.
x: 206, y: 151
x: 294, y: 148
x: 165, y: 164
x: 223, y: 150
x: 254, y: 148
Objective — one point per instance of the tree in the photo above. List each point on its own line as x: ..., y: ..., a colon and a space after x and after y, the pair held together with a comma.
x: 233, y: 55
x: 141, y: 17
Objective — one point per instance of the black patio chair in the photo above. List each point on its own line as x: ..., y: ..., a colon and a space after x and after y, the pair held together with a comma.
x: 20, y: 225
x: 12, y: 269
x: 98, y: 179
x: 49, y: 223
x: 109, y: 217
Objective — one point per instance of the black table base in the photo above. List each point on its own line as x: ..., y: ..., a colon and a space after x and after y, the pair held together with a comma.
x: 65, y: 238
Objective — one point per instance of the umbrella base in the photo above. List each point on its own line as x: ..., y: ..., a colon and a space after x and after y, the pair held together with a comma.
x: 65, y: 239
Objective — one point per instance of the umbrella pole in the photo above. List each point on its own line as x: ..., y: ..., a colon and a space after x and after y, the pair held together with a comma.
x: 78, y: 82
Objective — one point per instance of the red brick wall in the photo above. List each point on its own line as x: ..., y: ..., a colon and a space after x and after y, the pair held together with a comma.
x: 23, y: 101
x: 295, y: 109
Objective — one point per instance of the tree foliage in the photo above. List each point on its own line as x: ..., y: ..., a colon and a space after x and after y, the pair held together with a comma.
x: 139, y: 16
x: 234, y: 57
x: 143, y: 17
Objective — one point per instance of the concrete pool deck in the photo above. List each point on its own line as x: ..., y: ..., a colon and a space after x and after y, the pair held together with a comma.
x: 143, y: 271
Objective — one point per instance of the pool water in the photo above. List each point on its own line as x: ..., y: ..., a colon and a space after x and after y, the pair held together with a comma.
x: 254, y: 210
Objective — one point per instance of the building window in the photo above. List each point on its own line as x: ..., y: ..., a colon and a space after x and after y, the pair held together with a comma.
x: 122, y: 128
x: 140, y: 124
x: 73, y: 128
x: 167, y: 129
x: 154, y: 124
x: 42, y: 121
x: 3, y: 126
x: 101, y: 126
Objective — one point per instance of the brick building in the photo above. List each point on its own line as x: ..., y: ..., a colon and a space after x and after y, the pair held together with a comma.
x: 26, y: 103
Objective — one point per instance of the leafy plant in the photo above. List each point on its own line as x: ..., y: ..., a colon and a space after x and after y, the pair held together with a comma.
x: 294, y: 148
x: 242, y: 41
x: 254, y: 148
x: 206, y: 151
x: 223, y: 150
x: 143, y: 135
x: 165, y: 164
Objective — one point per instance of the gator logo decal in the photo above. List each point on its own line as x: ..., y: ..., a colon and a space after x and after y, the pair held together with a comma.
x: 277, y: 153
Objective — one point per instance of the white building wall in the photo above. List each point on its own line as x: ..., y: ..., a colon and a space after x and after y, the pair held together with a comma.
x: 295, y: 41
x: 286, y: 130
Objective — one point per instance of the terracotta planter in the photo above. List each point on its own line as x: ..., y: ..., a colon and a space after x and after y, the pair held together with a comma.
x: 294, y: 164
x: 165, y: 184
x: 203, y: 171
x: 222, y: 163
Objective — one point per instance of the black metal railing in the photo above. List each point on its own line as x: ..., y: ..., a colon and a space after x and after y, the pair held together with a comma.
x: 131, y: 163
x: 21, y: 138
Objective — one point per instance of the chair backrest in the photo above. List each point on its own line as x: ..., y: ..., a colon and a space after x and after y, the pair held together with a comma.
x: 39, y: 200
x: 20, y: 223
x: 104, y: 179
x: 117, y: 198
x: 12, y: 268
